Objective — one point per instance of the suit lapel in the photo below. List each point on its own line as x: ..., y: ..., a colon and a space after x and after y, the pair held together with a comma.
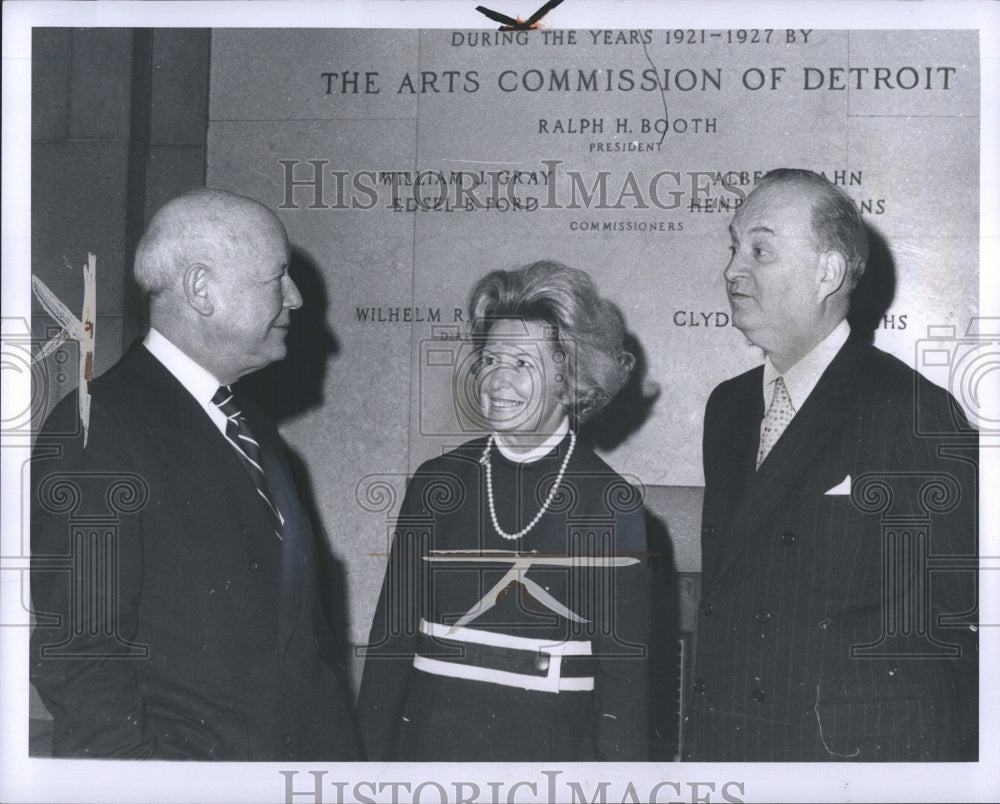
x: 296, y: 531
x: 821, y: 417
x: 176, y: 419
x: 180, y: 428
x: 220, y: 474
x: 740, y: 436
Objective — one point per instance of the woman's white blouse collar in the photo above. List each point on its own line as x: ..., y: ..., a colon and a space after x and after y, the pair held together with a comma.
x: 534, y: 454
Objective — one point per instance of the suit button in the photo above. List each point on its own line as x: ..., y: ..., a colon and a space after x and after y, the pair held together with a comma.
x: 698, y: 686
x: 788, y: 538
x: 758, y: 695
x: 763, y: 615
x: 707, y: 531
x: 254, y: 566
x: 706, y: 608
x: 542, y: 662
x: 286, y: 738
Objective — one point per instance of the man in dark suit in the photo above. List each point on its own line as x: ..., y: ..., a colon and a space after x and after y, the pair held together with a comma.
x: 837, y: 618
x: 174, y: 577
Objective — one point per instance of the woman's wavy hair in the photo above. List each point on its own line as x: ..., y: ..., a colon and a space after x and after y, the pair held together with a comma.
x: 588, y: 329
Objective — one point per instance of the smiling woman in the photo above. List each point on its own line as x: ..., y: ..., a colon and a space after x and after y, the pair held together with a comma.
x: 555, y: 312
x: 541, y: 525
x: 522, y: 388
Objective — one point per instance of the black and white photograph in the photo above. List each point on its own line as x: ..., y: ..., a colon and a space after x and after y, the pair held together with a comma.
x: 555, y: 402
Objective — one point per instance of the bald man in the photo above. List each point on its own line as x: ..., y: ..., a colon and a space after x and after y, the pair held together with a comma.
x: 174, y: 573
x: 837, y: 619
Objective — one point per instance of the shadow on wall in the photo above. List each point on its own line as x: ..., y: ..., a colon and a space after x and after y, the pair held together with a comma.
x: 631, y: 407
x: 288, y: 389
x: 294, y: 385
x: 874, y: 293
x: 624, y: 416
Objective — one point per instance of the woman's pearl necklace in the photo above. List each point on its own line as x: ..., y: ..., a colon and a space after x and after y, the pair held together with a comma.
x: 548, y: 500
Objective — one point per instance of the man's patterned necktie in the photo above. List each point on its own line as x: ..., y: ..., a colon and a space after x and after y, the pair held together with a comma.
x: 248, y: 449
x: 779, y: 414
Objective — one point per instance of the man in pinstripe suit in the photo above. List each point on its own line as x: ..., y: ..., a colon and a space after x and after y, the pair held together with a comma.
x: 838, y: 529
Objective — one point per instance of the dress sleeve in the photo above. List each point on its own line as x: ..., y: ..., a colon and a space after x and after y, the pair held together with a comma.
x: 385, y: 682
x: 622, y: 648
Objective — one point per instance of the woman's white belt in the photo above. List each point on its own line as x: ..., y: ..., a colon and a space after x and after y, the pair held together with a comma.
x: 552, y: 651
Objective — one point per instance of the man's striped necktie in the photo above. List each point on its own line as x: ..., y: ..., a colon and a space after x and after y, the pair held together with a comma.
x: 248, y: 449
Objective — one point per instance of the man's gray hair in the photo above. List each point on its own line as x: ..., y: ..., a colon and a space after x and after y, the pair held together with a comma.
x: 203, y: 226
x: 836, y: 222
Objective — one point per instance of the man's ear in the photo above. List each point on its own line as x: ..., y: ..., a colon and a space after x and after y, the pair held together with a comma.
x: 196, y: 289
x: 832, y: 274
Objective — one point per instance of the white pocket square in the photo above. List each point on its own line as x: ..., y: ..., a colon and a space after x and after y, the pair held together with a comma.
x: 843, y: 487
